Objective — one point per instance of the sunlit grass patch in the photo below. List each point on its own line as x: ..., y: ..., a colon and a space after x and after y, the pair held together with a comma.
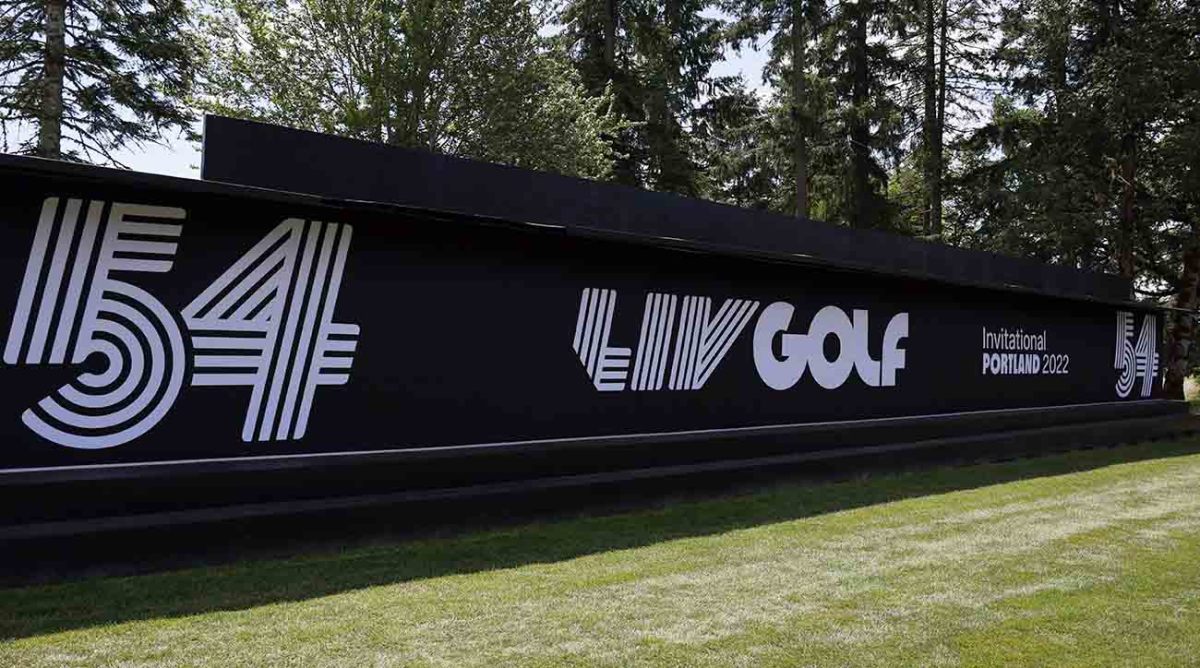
x: 1087, y: 558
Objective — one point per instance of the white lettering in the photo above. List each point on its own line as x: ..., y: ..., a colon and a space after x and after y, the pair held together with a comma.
x: 807, y: 350
x: 699, y: 339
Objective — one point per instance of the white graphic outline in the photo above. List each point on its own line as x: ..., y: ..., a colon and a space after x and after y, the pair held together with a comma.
x: 115, y: 321
x: 267, y: 323
x: 606, y: 365
x: 1136, y: 360
x: 700, y: 341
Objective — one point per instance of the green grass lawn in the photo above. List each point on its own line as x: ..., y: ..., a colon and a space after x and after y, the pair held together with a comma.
x: 1088, y: 558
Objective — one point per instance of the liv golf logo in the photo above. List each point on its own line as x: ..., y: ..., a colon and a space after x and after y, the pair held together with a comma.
x: 687, y: 333
x: 265, y: 324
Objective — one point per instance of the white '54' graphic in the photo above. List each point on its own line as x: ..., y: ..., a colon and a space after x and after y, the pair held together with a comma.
x: 265, y: 323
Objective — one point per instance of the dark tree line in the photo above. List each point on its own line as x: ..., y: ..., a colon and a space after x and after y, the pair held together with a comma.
x: 1063, y: 130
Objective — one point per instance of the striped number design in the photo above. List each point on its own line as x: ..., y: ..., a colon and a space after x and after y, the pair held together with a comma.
x: 72, y: 306
x: 266, y: 323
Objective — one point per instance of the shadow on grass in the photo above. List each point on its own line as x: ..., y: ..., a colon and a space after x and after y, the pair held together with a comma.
x: 327, y: 570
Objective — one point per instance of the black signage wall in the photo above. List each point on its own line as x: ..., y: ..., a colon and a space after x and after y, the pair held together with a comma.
x: 286, y: 159
x: 150, y: 320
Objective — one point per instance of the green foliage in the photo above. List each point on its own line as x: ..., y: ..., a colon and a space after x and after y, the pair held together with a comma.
x: 740, y: 156
x: 466, y: 77
x: 658, y: 70
x: 1026, y: 188
x: 1062, y: 130
x: 1089, y: 159
x: 1074, y: 165
x: 865, y: 119
x: 128, y: 66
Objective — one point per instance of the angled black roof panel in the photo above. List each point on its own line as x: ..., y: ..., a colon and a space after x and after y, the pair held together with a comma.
x: 268, y: 156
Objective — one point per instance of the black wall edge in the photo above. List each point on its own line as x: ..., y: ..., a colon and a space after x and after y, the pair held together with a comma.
x: 285, y: 159
x: 130, y: 507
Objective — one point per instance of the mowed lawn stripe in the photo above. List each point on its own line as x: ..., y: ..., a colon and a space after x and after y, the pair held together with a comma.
x: 1091, y: 567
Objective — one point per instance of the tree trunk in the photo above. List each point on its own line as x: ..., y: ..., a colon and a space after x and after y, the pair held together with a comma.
x: 1181, y: 324
x: 860, y: 131
x: 610, y: 37
x: 800, y: 146
x: 386, y: 84
x: 939, y: 130
x: 673, y: 173
x: 929, y: 124
x: 51, y: 112
x: 1127, y: 223
x: 625, y: 161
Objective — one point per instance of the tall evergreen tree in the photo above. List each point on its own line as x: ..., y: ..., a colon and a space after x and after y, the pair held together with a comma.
x: 868, y: 117
x: 1170, y: 190
x: 790, y: 26
x: 655, y: 57
x: 948, y: 64
x: 740, y: 151
x: 681, y: 44
x: 932, y: 122
x: 1086, y: 86
x: 597, y: 35
x: 80, y: 79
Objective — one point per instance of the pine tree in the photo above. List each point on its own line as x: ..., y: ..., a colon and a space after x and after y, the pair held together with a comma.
x: 93, y: 76
x: 655, y: 58
x: 1170, y: 199
x: 1085, y: 94
x: 596, y: 35
x: 791, y: 27
x: 933, y: 123
x: 681, y: 45
x: 943, y: 86
x: 868, y: 118
x: 739, y: 151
